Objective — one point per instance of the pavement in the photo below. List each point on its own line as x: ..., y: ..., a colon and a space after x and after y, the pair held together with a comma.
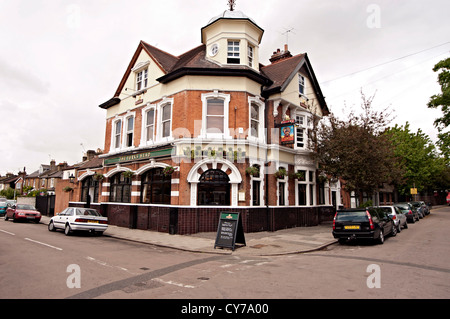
x: 281, y: 242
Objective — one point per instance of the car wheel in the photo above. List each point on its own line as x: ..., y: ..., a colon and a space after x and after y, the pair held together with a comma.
x: 406, y: 225
x: 394, y: 231
x: 14, y: 219
x: 67, y: 230
x: 381, y: 238
x: 6, y: 217
x: 51, y: 227
x: 399, y: 228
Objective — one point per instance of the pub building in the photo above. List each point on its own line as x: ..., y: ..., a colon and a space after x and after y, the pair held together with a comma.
x: 211, y: 130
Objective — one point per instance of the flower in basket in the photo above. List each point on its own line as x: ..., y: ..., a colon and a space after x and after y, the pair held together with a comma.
x: 281, y: 173
x: 168, y: 170
x: 252, y: 170
x: 299, y: 175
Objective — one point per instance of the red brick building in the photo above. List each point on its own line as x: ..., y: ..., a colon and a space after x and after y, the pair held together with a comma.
x: 211, y: 130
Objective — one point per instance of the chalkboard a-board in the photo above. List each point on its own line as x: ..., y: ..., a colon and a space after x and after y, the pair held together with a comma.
x: 229, y: 231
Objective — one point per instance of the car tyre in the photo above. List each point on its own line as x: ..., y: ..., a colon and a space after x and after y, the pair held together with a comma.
x: 406, y: 225
x: 381, y: 238
x: 67, y: 230
x: 51, y: 226
x: 399, y: 228
x: 6, y: 218
x: 394, y: 231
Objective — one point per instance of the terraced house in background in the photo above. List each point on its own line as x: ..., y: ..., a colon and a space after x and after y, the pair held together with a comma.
x: 211, y: 130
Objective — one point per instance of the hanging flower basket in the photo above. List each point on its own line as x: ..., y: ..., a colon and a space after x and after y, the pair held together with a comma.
x: 281, y: 173
x: 252, y: 170
x: 299, y: 176
x: 168, y: 170
x: 128, y: 174
x: 67, y: 189
x: 98, y: 177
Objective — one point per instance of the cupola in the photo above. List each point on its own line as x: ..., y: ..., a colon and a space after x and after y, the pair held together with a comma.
x: 232, y: 38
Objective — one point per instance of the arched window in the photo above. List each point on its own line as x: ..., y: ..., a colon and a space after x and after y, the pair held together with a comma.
x: 155, y: 187
x: 89, y: 187
x: 214, y: 188
x: 120, y: 189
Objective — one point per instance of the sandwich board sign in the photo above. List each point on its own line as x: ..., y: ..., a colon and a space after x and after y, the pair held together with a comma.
x: 229, y: 231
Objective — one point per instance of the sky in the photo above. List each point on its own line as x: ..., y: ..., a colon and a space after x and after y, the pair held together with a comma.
x: 59, y: 60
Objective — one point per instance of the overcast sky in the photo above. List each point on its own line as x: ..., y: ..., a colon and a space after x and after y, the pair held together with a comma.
x: 60, y: 59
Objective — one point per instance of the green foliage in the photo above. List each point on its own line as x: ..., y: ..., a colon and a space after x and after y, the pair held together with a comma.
x: 443, y: 100
x: 422, y: 165
x: 8, y: 193
x: 355, y: 150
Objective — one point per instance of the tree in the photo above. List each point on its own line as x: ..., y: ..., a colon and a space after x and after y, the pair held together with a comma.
x: 355, y: 149
x: 443, y: 100
x: 423, y: 167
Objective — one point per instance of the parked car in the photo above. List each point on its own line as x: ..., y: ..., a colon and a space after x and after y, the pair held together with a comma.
x: 410, y: 212
x: 23, y: 212
x: 419, y: 208
x: 3, y: 207
x: 372, y: 223
x: 426, y: 208
x: 448, y: 199
x: 74, y: 219
x: 400, y: 220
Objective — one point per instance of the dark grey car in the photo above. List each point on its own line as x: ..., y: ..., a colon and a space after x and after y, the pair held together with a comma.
x: 365, y: 223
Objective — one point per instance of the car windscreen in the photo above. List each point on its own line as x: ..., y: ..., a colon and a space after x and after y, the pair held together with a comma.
x: 353, y: 216
x: 2, y: 204
x: 87, y: 212
x: 25, y: 207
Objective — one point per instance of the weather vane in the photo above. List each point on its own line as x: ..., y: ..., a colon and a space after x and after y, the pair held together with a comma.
x: 232, y: 4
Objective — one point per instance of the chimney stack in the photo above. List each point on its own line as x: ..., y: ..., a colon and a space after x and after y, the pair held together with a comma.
x: 280, y: 55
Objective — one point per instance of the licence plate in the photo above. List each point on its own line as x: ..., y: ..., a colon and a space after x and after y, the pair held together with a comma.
x: 351, y: 227
x: 93, y: 221
x: 31, y: 217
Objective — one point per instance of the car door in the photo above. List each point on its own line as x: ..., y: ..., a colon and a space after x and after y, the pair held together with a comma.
x: 384, y: 224
x: 60, y: 219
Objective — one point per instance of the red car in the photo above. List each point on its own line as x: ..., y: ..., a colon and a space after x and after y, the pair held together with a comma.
x: 23, y: 212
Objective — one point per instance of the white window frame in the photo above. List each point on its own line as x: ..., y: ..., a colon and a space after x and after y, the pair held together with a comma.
x: 261, y: 184
x: 226, y: 103
x: 284, y: 180
x: 261, y: 134
x: 233, y: 52
x: 144, y: 138
x: 141, y: 75
x: 308, y: 184
x: 159, y: 135
x: 113, y: 147
x: 127, y: 131
x: 300, y: 127
x: 301, y: 85
x: 142, y: 79
x: 250, y: 55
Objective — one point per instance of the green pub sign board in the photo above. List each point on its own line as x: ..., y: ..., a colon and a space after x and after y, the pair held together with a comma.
x: 138, y: 156
x: 230, y: 231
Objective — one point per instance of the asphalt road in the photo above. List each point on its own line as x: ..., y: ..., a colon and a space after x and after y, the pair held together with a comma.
x: 36, y: 263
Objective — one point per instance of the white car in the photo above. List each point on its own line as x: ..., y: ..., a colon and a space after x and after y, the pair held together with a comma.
x: 396, y: 214
x: 75, y: 218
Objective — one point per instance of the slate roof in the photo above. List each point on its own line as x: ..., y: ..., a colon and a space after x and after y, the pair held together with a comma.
x: 273, y: 77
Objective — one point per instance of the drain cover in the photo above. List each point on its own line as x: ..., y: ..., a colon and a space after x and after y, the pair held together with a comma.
x: 144, y: 268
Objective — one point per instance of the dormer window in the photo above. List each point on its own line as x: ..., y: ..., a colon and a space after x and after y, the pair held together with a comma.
x: 233, y: 52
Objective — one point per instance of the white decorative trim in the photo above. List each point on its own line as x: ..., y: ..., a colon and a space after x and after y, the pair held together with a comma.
x: 226, y: 107
x: 174, y: 193
x: 117, y: 170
